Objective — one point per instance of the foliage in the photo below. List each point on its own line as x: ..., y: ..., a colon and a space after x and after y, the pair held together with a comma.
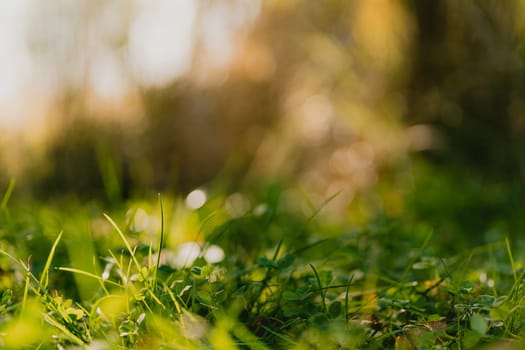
x: 279, y: 284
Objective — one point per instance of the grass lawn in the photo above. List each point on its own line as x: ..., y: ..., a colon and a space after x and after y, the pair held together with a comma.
x: 248, y: 272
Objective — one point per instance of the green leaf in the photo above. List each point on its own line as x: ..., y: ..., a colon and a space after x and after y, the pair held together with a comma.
x: 479, y: 324
x: 265, y: 262
x: 204, y: 297
x: 303, y: 293
x: 335, y: 309
x: 471, y: 339
x: 291, y: 296
x: 487, y: 300
x: 220, y: 296
x: 466, y: 286
x: 434, y: 317
x: 319, y: 320
x: 286, y: 261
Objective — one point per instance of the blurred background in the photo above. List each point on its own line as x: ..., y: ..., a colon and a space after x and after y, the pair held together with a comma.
x: 393, y: 106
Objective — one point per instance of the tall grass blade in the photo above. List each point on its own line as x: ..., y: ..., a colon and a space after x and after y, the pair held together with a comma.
x: 44, y: 279
x: 89, y: 274
x: 7, y: 195
x: 27, y: 285
x: 247, y: 338
x: 321, y: 289
x: 126, y: 243
x: 512, y: 264
x: 347, y: 299
x: 161, y: 242
x: 64, y: 330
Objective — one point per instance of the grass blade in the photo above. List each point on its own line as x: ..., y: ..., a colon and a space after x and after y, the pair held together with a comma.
x: 64, y: 330
x: 247, y: 338
x: 321, y: 289
x: 44, y: 279
x: 512, y: 264
x: 161, y: 240
x: 8, y: 193
x: 89, y: 274
x: 126, y: 243
x: 347, y: 293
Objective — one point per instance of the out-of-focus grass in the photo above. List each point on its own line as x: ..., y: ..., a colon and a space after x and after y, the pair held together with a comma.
x: 247, y: 270
x: 466, y: 207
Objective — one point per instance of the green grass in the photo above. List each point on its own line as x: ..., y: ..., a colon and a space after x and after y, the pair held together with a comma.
x: 72, y: 276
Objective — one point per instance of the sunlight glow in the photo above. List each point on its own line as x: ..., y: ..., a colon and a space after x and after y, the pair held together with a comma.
x: 483, y: 277
x: 186, y: 254
x: 107, y: 78
x: 237, y: 205
x: 196, y: 199
x: 317, y: 113
x: 14, y: 59
x: 140, y: 219
x: 160, y: 40
x: 214, y: 254
x: 108, y: 49
x: 219, y: 24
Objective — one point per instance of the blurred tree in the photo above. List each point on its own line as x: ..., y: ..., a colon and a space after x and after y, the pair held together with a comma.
x: 466, y: 80
x: 310, y: 96
x: 331, y: 95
